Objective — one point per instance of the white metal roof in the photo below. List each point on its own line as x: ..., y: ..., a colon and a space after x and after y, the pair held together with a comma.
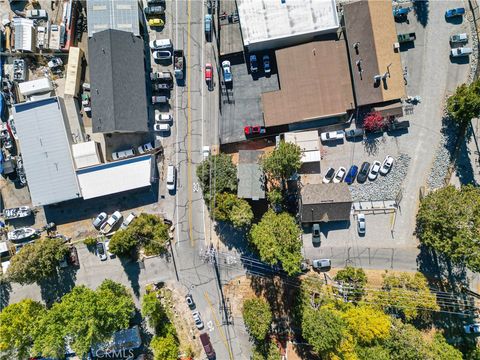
x: 308, y: 142
x: 113, y: 14
x: 24, y: 34
x: 115, y: 177
x: 46, y: 152
x: 28, y: 88
x: 85, y: 154
x: 263, y: 20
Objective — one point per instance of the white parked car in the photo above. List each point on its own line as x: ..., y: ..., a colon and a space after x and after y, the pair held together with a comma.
x: 164, y: 118
x: 100, y: 251
x: 37, y: 14
x: 162, y: 55
x: 171, y: 178
x: 339, y: 175
x: 227, y: 71
x: 332, y: 135
x: 205, y: 151
x: 159, y: 99
x: 122, y: 154
x: 461, y: 51
x: 142, y: 149
x: 386, y: 165
x: 162, y: 128
x: 107, y: 249
x: 322, y: 264
x: 361, y: 224
x: 111, y: 222
x: 328, y: 175
x: 55, y: 62
x: 373, y: 173
x: 197, y: 319
x: 128, y: 220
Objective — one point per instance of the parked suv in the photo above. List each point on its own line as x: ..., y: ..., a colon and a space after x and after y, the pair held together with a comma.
x: 207, y: 346
x: 316, y: 234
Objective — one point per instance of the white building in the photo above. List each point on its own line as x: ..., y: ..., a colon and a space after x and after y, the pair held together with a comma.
x: 25, y: 39
x: 271, y: 24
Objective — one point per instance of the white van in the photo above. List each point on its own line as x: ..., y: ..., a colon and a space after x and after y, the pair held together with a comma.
x: 122, y: 154
x: 171, y: 177
x: 161, y: 44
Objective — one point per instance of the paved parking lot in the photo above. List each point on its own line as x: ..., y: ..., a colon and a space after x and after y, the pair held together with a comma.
x: 241, y: 100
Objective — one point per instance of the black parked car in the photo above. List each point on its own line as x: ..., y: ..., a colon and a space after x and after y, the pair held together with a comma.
x: 154, y: 10
x: 363, y: 173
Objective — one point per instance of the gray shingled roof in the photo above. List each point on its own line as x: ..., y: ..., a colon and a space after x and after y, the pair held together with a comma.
x: 46, y: 152
x: 118, y: 84
x: 113, y: 14
x: 251, y: 181
x: 325, y: 202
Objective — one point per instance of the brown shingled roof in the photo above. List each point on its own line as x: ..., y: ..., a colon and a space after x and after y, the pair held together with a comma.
x: 371, y: 26
x: 314, y: 81
x: 325, y: 202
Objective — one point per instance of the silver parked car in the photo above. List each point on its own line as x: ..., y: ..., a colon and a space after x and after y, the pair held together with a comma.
x: 162, y: 55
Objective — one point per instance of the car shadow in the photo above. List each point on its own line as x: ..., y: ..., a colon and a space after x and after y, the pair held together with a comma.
x: 457, y: 20
x: 461, y: 60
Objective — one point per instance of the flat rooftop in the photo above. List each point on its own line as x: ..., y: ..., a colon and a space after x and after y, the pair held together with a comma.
x: 251, y: 181
x: 264, y: 20
x: 370, y: 27
x: 320, y: 69
x: 229, y: 33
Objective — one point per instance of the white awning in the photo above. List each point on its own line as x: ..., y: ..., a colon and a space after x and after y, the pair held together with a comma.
x: 115, y: 177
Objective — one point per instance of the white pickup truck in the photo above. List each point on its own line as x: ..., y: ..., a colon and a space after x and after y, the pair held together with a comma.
x: 111, y: 222
x: 332, y: 135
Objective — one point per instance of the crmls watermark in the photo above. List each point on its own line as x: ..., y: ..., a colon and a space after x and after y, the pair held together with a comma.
x: 115, y: 354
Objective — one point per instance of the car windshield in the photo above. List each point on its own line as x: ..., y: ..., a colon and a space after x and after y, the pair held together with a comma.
x: 330, y: 172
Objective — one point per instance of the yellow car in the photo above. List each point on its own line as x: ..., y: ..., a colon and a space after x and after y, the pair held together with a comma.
x: 156, y: 22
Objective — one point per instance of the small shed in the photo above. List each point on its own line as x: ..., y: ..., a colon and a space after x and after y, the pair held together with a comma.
x: 251, y: 180
x: 74, y: 71
x: 325, y: 203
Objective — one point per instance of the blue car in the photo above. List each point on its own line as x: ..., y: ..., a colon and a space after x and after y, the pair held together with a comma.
x: 253, y: 63
x: 351, y: 175
x: 454, y: 12
x: 400, y: 13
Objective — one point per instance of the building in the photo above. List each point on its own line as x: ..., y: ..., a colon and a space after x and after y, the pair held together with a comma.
x: 86, y: 154
x: 25, y: 36
x: 270, y: 24
x: 45, y: 143
x: 325, y: 203
x: 128, y: 339
x: 320, y: 69
x: 37, y: 86
x: 115, y: 177
x: 376, y: 65
x: 74, y: 71
x: 118, y: 86
x: 251, y: 180
x: 308, y: 141
x: 113, y: 14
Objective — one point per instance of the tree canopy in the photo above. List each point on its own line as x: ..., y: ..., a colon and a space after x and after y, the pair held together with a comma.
x: 217, y: 174
x: 464, y: 104
x: 146, y: 231
x: 36, y: 261
x: 323, y: 329
x: 18, y: 324
x: 448, y: 220
x: 368, y: 325
x: 405, y: 294
x: 283, y: 162
x: 373, y: 121
x: 257, y: 317
x: 86, y: 317
x: 277, y: 238
x: 228, y: 207
x: 165, y: 348
x: 354, y: 281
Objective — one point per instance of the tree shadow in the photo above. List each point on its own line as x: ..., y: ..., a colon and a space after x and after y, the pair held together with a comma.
x: 421, y: 10
x: 231, y: 237
x: 5, y: 289
x: 458, y: 308
x: 463, y: 165
x: 132, y: 267
x: 370, y: 144
x: 52, y: 289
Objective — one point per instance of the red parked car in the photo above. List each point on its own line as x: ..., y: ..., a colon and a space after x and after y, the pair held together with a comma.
x: 208, y: 72
x: 254, y: 130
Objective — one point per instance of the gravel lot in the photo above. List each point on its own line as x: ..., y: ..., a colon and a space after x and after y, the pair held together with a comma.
x: 384, y: 187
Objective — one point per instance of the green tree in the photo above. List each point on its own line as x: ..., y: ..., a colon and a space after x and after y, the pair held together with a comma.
x: 273, y: 351
x: 377, y: 352
x: 323, y: 329
x: 354, y: 281
x: 367, y: 325
x: 17, y: 328
x: 90, y: 241
x: 228, y: 207
x: 283, y: 162
x: 257, y: 316
x: 266, y: 351
x: 165, y: 348
x: 147, y: 231
x: 277, y: 238
x: 86, y: 317
x: 217, y: 174
x: 37, y: 261
x: 275, y: 197
x: 448, y: 220
x: 464, y: 104
x: 153, y: 310
x: 441, y: 350
x: 405, y: 294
